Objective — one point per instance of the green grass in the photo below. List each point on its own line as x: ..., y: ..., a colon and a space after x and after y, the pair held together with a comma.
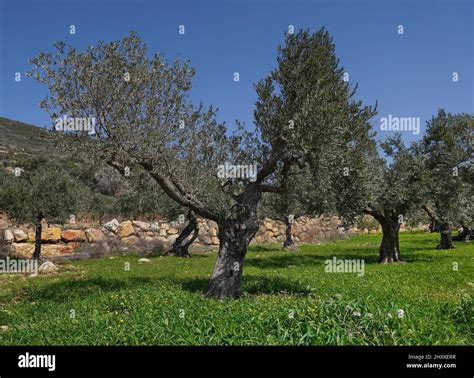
x: 289, y: 299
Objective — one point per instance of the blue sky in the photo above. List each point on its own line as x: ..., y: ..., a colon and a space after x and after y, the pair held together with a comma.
x: 409, y: 75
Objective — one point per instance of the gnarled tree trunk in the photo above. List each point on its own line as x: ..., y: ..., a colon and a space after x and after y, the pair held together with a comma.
x: 180, y: 247
x: 234, y: 235
x: 446, y: 241
x: 288, y: 237
x: 390, y: 246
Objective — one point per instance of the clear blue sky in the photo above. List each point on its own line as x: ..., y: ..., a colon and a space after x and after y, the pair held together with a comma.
x: 409, y: 74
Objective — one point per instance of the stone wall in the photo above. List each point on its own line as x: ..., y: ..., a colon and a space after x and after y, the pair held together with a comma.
x: 91, y: 240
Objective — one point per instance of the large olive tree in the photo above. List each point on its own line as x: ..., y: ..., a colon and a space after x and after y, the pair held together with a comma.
x: 145, y: 120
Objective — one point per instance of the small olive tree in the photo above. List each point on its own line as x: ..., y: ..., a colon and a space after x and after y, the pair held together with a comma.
x: 448, y: 152
x: 302, y: 194
x: 386, y: 188
x: 46, y: 192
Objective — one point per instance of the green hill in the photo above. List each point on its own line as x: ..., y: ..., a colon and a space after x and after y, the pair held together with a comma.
x: 20, y: 142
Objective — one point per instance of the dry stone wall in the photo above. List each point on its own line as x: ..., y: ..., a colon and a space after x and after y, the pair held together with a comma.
x: 91, y: 240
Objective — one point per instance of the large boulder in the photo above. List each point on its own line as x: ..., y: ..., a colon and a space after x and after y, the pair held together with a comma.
x: 94, y: 235
x: 20, y: 236
x: 51, y: 235
x: 125, y: 229
x: 112, y: 226
x: 8, y: 236
x: 73, y: 236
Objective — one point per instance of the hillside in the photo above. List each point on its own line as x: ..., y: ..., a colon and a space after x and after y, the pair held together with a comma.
x: 20, y: 141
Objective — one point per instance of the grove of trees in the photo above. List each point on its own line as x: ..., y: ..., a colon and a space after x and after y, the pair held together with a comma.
x: 313, y: 146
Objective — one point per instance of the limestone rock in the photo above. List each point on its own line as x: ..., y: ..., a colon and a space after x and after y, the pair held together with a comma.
x: 112, y: 226
x: 73, y: 236
x: 51, y: 235
x: 172, y: 231
x: 8, y: 236
x: 20, y: 236
x: 154, y: 226
x: 31, y: 236
x: 94, y: 235
x: 268, y: 226
x: 56, y: 250
x: 129, y: 240
x: 22, y: 250
x: 47, y: 267
x: 141, y: 261
x: 141, y: 225
x: 125, y: 229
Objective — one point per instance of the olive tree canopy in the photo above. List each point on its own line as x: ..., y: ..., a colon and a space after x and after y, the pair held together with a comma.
x: 144, y: 120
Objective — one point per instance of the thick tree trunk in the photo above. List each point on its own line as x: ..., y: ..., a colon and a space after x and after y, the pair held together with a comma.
x: 38, y: 229
x: 289, y: 239
x: 181, y: 245
x: 390, y: 246
x: 446, y: 241
x: 225, y: 281
x: 234, y: 239
x: 235, y: 234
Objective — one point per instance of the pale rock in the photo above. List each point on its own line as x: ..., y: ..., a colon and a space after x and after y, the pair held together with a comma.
x: 20, y: 235
x: 8, y: 236
x: 112, y: 226
x: 141, y: 225
x: 93, y: 235
x: 47, y: 267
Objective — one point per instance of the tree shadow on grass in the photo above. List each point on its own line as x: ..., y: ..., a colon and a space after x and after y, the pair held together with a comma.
x: 71, y: 289
x: 253, y: 285
x: 298, y: 259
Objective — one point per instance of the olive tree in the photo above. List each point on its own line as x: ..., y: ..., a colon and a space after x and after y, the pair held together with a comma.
x: 145, y: 120
x: 301, y: 194
x: 47, y: 192
x: 448, y: 152
x: 385, y: 187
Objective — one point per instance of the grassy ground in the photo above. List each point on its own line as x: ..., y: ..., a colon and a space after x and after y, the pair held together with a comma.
x: 290, y: 299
